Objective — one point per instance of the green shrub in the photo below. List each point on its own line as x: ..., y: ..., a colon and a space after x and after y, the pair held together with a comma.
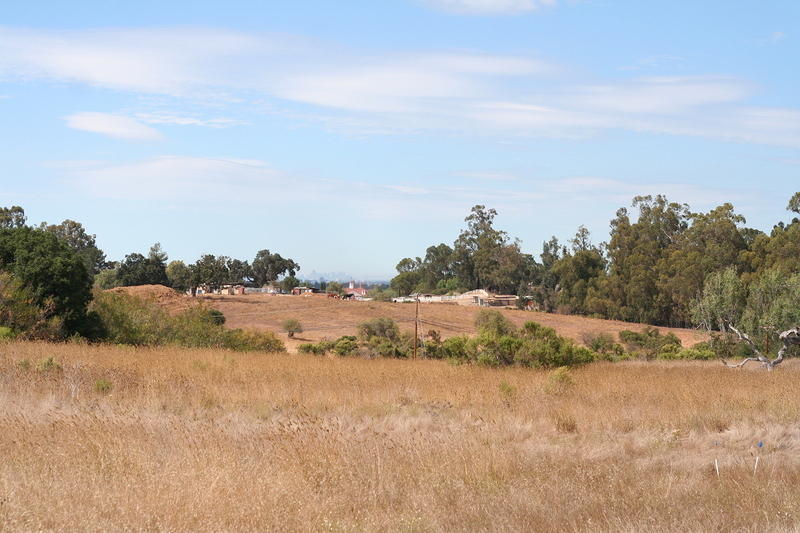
x: 508, y: 393
x: 22, y: 316
x: 251, y: 341
x: 650, y: 343
x: 292, y: 326
x: 6, y: 333
x: 559, y: 381
x: 693, y: 353
x: 103, y: 386
x: 455, y: 348
x: 493, y: 322
x: 381, y: 337
x: 308, y: 347
x: 384, y: 328
x: 131, y: 320
x: 48, y: 365
x: 216, y: 317
x: 532, y: 346
x: 346, y: 345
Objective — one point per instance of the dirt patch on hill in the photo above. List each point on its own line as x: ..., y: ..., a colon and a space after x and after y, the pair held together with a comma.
x: 172, y: 300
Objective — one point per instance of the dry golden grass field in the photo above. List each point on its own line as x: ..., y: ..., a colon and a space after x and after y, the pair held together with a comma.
x: 325, y: 317
x: 104, y: 438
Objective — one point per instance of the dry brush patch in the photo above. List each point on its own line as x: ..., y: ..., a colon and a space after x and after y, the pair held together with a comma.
x: 183, y: 439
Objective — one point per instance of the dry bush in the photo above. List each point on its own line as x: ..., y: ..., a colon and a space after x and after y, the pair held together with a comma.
x: 215, y: 440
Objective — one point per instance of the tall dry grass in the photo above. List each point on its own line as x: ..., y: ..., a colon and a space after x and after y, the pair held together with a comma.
x: 107, y: 438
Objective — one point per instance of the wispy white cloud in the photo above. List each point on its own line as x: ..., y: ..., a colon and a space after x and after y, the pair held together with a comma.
x: 192, y: 179
x: 489, y: 7
x: 405, y: 83
x: 659, y: 95
x: 117, y: 126
x: 774, y: 38
x: 230, y: 183
x: 187, y: 120
x: 488, y: 176
x: 594, y: 188
x: 458, y: 93
x: 654, y: 62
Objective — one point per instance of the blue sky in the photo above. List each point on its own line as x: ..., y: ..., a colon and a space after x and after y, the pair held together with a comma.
x: 348, y: 135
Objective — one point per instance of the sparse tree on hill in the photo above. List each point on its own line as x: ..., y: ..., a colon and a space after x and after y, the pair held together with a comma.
x: 292, y: 326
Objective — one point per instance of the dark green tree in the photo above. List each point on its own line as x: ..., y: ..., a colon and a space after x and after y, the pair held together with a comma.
x: 51, y: 270
x: 267, y: 267
x: 179, y: 275
x: 137, y: 269
x: 712, y: 242
x: 212, y: 271
x: 288, y: 283
x: 631, y: 291
x: 74, y: 234
x: 239, y: 272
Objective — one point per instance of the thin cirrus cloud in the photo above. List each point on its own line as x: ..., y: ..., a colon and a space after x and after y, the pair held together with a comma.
x: 194, y: 180
x: 175, y: 177
x: 459, y: 93
x: 111, y: 125
x: 489, y: 7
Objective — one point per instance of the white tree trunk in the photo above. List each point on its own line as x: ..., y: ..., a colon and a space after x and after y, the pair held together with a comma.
x: 790, y: 337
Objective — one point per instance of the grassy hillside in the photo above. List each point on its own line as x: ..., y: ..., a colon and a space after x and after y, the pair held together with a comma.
x: 97, y: 438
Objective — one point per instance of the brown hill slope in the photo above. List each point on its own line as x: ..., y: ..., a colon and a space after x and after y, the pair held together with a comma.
x: 323, y: 317
x: 170, y: 299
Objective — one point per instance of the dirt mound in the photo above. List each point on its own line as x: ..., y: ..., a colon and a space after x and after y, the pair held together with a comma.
x: 170, y: 299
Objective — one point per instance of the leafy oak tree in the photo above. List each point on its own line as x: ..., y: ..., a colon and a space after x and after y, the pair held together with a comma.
x: 267, y: 267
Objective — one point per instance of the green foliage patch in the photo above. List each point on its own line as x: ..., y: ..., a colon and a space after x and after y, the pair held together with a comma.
x: 131, y: 320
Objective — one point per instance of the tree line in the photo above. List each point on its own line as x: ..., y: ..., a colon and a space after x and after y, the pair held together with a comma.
x: 47, y: 273
x: 653, y: 269
x: 210, y: 271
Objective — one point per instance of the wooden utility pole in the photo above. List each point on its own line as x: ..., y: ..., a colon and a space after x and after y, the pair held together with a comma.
x: 416, y: 326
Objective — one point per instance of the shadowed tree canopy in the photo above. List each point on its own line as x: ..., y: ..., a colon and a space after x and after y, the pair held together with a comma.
x: 137, y: 269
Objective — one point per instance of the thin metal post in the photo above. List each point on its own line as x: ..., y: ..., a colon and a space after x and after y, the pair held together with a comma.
x: 416, y: 326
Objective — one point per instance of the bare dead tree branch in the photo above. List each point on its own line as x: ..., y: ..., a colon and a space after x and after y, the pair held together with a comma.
x: 790, y: 337
x: 737, y: 365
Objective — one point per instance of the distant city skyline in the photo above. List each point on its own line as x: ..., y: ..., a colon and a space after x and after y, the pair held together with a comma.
x: 349, y: 135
